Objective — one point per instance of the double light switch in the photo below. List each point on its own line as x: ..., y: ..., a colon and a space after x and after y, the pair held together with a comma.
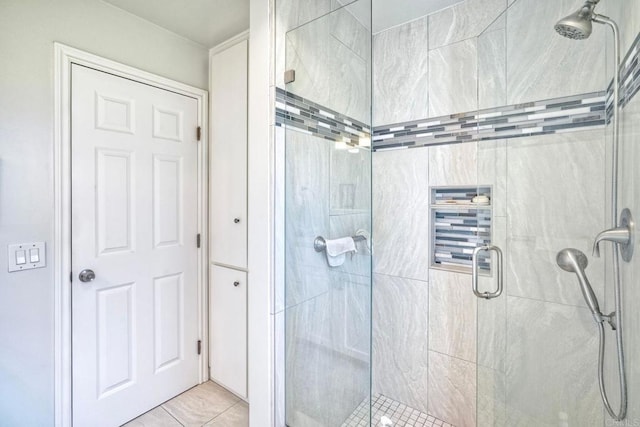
x: 25, y: 256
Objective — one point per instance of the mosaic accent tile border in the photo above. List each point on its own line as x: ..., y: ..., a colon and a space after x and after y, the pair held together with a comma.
x: 566, y: 114
x: 399, y: 414
x: 572, y: 113
x: 293, y: 111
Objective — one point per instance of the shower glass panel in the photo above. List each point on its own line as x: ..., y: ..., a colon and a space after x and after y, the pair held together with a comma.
x: 326, y: 113
x: 542, y: 145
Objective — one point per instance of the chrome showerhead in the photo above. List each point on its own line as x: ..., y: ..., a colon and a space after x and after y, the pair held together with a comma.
x: 571, y: 260
x: 578, y: 26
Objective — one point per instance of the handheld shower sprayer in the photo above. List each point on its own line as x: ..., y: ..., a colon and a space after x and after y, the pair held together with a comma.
x: 574, y: 261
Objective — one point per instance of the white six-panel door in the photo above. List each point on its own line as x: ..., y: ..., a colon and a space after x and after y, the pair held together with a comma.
x: 134, y: 223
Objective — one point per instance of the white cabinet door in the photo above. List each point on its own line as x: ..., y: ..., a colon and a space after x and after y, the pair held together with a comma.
x: 228, y: 328
x: 134, y: 223
x: 228, y: 176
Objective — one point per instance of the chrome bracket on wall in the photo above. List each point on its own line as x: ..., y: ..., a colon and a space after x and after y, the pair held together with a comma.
x: 626, y: 221
x: 289, y: 76
x: 474, y: 272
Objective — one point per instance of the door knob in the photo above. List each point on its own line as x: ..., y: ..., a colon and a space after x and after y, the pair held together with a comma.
x: 236, y: 220
x: 236, y: 284
x: 87, y: 276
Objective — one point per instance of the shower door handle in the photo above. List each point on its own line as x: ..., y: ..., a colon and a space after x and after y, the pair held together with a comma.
x: 474, y: 272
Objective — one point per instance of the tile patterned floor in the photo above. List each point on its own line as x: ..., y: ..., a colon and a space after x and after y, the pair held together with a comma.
x: 400, y: 415
x: 205, y: 405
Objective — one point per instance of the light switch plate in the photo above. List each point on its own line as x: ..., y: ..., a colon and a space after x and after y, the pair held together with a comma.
x: 26, y: 247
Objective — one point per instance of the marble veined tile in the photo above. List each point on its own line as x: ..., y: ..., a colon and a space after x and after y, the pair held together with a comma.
x: 492, y: 69
x: 324, y: 386
x: 463, y: 21
x: 157, y: 417
x: 492, y: 398
x: 328, y: 71
x: 200, y: 404
x: 350, y: 177
x: 351, y: 32
x: 400, y: 73
x: 556, y: 184
x: 551, y: 365
x: 400, y: 350
x: 491, y: 320
x: 351, y: 315
x: 289, y: 14
x: 453, y: 80
x: 307, y: 215
x: 402, y: 170
x: 541, y: 64
x: 454, y: 165
x: 452, y: 390
x: 555, y: 200
x: 401, y: 213
x: 492, y: 170
x: 452, y: 315
x: 532, y: 271
x: 236, y: 416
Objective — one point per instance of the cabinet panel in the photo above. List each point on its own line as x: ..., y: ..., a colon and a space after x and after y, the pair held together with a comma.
x: 228, y: 173
x: 228, y: 328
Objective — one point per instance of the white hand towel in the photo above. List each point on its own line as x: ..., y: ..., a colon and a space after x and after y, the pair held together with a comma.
x: 337, y: 249
x: 336, y: 261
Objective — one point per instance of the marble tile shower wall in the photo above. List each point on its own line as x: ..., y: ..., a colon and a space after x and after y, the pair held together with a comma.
x: 627, y: 15
x: 331, y: 55
x: 451, y: 359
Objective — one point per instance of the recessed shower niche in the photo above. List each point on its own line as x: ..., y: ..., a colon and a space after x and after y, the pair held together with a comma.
x: 460, y: 221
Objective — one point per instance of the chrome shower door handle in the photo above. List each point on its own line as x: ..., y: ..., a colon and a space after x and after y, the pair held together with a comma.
x: 499, y: 272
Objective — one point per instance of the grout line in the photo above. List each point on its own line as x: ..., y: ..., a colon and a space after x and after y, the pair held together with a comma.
x: 225, y: 411
x: 171, y: 415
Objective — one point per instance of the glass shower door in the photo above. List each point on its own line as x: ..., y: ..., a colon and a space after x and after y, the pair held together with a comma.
x: 542, y: 147
x: 325, y: 112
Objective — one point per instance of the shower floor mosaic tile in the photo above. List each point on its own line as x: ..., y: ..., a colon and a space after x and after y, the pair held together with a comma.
x: 398, y: 413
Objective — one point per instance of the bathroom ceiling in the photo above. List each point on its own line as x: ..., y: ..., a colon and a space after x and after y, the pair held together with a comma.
x: 207, y: 22
x: 210, y: 22
x: 389, y: 13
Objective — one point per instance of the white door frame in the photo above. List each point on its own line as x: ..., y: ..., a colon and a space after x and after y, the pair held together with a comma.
x: 64, y: 57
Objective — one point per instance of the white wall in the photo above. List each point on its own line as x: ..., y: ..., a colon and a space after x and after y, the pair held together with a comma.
x: 29, y: 28
x: 260, y: 228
